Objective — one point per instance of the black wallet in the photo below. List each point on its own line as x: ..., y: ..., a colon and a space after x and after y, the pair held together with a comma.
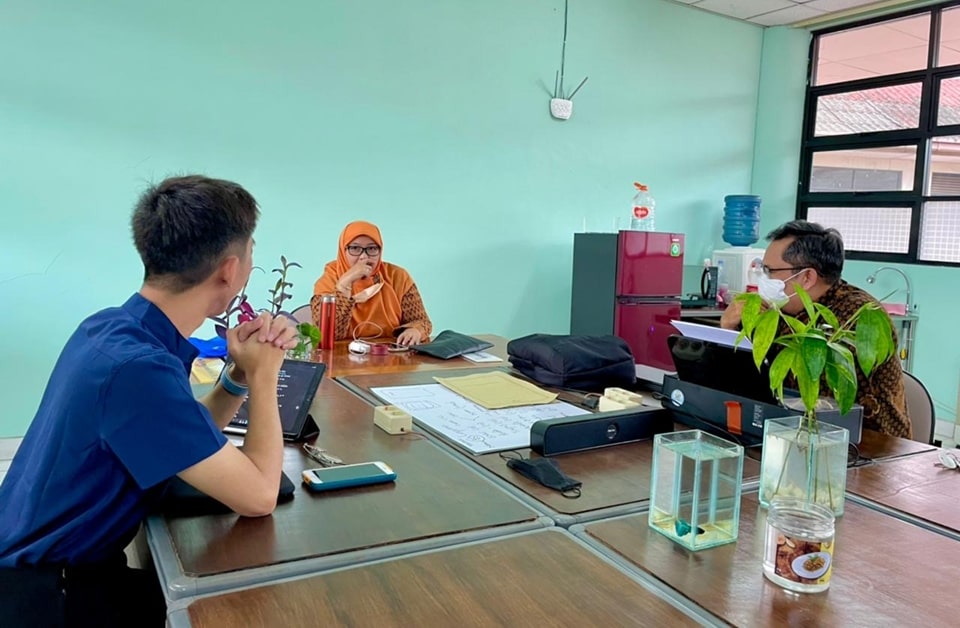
x: 182, y: 500
x: 449, y: 344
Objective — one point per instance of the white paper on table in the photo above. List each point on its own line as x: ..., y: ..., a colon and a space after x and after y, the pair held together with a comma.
x: 482, y: 356
x: 470, y: 425
x: 718, y: 335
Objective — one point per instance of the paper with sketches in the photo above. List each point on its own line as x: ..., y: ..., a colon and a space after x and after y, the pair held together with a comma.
x: 496, y: 390
x: 469, y: 425
x: 718, y: 335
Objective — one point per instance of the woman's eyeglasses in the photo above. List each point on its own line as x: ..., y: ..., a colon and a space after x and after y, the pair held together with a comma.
x: 948, y: 460
x: 372, y: 251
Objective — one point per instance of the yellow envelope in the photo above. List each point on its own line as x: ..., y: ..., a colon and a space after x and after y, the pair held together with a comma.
x: 497, y: 390
x: 206, y: 371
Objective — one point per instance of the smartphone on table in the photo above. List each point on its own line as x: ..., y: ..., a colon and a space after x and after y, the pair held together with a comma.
x: 343, y: 476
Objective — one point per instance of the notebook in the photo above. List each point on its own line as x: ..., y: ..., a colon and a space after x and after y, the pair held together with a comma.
x: 296, y: 389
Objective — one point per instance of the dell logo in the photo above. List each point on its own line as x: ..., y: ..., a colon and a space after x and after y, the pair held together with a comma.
x: 612, y: 431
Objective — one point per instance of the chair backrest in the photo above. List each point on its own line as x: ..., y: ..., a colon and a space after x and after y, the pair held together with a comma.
x: 302, y: 314
x: 919, y: 408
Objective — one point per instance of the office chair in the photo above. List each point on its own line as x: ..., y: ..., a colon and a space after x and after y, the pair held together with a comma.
x: 919, y: 408
x: 302, y: 314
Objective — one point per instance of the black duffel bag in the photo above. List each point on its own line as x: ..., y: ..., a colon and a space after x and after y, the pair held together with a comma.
x: 589, y: 363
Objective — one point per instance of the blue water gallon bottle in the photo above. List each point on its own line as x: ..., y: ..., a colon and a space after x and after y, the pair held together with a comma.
x: 741, y: 219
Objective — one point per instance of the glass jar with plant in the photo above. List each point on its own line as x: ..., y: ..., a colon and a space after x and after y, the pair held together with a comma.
x: 804, y: 458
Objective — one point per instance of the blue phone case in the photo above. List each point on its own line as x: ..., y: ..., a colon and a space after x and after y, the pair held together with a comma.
x: 363, y: 479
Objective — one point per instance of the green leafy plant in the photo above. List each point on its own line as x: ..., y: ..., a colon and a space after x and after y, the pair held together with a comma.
x: 279, y: 292
x: 309, y: 340
x: 820, y: 350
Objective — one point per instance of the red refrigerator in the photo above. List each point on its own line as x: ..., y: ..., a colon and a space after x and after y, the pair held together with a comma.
x: 629, y: 284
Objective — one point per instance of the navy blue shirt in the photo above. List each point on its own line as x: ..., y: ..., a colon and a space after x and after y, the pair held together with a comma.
x: 117, y: 419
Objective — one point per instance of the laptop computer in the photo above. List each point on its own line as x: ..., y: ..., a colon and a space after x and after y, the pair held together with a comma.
x: 296, y: 389
x: 720, y: 367
x: 717, y: 372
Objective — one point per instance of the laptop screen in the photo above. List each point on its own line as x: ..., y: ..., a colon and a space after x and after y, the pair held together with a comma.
x: 296, y: 386
x: 720, y: 367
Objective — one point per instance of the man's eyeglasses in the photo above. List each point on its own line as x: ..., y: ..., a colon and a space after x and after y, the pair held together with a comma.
x: 768, y: 271
x: 372, y: 251
x: 948, y: 460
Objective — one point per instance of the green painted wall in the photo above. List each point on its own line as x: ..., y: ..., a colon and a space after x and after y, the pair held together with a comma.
x: 429, y: 118
x: 936, y: 360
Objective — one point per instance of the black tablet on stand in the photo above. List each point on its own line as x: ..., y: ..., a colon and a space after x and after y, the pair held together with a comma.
x: 296, y: 388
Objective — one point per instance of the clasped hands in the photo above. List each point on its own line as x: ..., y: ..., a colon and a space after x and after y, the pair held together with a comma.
x: 260, y: 345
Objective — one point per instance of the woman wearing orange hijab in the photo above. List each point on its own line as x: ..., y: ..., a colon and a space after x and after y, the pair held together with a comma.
x: 371, y: 293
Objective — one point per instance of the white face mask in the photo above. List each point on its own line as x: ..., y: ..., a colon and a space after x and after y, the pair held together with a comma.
x: 367, y: 293
x: 773, y: 291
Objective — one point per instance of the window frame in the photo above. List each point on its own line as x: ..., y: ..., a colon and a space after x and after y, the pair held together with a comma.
x: 927, y: 129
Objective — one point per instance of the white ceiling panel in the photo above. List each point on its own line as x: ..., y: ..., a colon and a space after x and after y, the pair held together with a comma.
x: 743, y: 9
x: 833, y: 6
x: 785, y: 12
x: 789, y: 15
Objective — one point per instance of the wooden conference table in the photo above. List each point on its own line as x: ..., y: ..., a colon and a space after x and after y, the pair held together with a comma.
x: 341, y: 362
x: 436, y: 501
x: 447, y: 545
x: 615, y: 480
x: 913, y: 488
x: 544, y: 578
x: 887, y: 572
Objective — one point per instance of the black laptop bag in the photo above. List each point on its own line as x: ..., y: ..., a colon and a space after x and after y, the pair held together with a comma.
x: 587, y: 363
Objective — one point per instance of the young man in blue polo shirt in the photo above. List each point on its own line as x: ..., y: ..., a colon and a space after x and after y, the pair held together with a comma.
x: 118, y: 419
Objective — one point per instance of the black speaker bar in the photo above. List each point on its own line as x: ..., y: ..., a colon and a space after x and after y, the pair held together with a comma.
x: 576, y: 433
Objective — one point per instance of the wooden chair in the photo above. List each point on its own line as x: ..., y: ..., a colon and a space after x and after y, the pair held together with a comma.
x: 919, y: 408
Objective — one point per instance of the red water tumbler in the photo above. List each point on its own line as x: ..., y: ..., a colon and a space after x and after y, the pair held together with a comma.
x: 328, y: 321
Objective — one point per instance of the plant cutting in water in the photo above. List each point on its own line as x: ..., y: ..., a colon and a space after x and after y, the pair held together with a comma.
x: 820, y: 350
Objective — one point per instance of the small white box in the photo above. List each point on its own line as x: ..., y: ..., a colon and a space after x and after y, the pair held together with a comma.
x: 392, y: 420
x: 621, y: 399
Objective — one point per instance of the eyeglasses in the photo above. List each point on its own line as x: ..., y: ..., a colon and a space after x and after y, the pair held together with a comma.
x: 767, y: 270
x: 320, y: 455
x: 948, y: 460
x: 372, y: 250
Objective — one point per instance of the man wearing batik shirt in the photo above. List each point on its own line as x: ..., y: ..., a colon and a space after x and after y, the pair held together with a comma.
x: 805, y: 254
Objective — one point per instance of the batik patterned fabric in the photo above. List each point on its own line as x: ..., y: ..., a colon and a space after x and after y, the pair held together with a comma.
x: 881, y: 394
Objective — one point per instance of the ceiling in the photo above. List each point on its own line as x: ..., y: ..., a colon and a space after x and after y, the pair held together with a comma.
x: 780, y: 12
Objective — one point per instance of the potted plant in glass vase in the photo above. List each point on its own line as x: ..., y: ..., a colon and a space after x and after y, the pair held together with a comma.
x: 804, y: 458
